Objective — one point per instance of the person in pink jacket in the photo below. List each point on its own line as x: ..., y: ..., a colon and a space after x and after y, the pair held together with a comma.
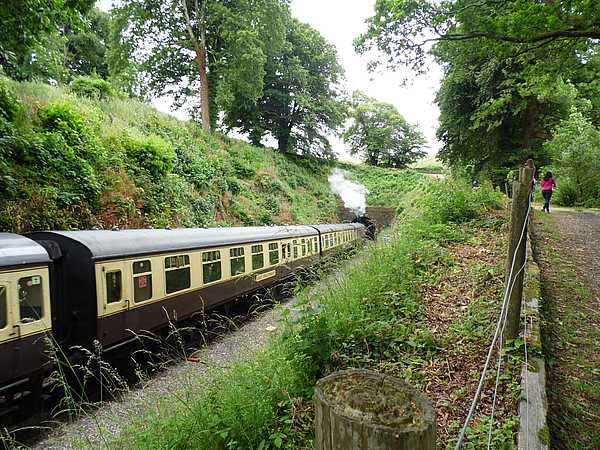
x: 548, y: 184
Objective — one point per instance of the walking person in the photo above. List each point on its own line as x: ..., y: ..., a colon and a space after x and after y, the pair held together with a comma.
x: 548, y: 184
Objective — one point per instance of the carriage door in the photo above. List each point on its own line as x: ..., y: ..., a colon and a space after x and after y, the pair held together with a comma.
x: 7, y: 331
x: 113, y: 290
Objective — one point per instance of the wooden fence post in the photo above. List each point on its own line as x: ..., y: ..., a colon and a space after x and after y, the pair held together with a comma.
x: 517, y: 245
x: 363, y: 410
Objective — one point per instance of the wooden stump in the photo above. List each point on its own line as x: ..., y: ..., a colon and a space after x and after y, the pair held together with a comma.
x: 361, y: 409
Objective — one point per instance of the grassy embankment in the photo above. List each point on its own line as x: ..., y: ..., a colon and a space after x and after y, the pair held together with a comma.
x: 421, y: 307
x: 69, y: 161
x: 570, y: 332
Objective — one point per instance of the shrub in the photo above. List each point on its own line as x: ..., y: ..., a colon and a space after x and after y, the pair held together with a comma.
x: 456, y: 202
x: 9, y: 105
x: 151, y: 153
x: 566, y: 193
x: 64, y: 119
x: 92, y: 87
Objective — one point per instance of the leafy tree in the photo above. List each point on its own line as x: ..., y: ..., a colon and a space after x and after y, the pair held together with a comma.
x: 26, y: 24
x: 405, y: 29
x: 512, y: 70
x: 381, y: 136
x: 184, y: 45
x: 576, y: 148
x: 301, y: 101
x: 87, y: 47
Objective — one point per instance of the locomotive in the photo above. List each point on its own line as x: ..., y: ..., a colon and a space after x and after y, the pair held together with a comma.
x: 81, y: 288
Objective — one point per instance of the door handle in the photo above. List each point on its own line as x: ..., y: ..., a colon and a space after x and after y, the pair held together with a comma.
x: 16, y: 331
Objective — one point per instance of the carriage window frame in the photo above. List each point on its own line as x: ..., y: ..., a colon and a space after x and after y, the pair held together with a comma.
x: 273, y: 249
x: 136, y: 273
x: 303, y: 247
x: 237, y: 255
x: 4, y: 306
x: 258, y: 256
x: 212, y: 258
x: 179, y: 267
x: 310, y: 246
x: 107, y: 287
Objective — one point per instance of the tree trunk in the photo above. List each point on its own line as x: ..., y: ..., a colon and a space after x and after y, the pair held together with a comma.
x: 204, y: 89
x: 364, y: 410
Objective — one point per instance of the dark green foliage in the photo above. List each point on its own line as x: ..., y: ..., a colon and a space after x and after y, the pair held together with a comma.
x: 9, y: 105
x: 512, y: 70
x: 92, y: 87
x: 151, y: 153
x: 26, y: 24
x: 300, y: 102
x: 87, y: 47
x: 381, y: 136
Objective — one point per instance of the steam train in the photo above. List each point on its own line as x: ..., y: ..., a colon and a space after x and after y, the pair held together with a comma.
x: 81, y: 287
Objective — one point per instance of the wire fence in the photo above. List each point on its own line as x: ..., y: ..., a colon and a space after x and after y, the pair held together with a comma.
x: 499, y: 335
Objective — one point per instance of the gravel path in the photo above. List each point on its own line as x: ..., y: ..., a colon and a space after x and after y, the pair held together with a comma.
x: 581, y: 233
x: 568, y: 253
x: 91, y: 430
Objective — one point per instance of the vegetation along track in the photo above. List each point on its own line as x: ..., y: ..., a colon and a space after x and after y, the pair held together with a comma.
x: 566, y: 246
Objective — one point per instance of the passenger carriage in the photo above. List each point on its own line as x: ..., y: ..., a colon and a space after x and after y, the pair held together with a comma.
x: 116, y: 282
x: 78, y: 287
x: 25, y: 314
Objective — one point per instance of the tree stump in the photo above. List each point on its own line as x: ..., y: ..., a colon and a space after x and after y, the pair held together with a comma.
x: 361, y: 409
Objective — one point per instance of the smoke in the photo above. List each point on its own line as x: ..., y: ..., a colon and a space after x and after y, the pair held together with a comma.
x: 353, y: 194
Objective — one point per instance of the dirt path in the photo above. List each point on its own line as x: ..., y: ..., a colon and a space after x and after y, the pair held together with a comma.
x: 567, y: 246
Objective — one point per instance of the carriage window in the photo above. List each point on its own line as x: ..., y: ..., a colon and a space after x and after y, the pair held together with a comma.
x: 258, y: 258
x: 113, y: 286
x: 177, y: 273
x: 295, y: 251
x: 310, y: 247
x: 303, y: 247
x: 3, y: 307
x: 237, y: 261
x: 273, y: 253
x: 142, y: 281
x: 211, y: 266
x: 31, y: 298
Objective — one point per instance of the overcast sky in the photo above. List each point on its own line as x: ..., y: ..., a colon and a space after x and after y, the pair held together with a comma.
x: 340, y: 21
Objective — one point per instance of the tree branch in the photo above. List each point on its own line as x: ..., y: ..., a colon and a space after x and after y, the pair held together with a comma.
x: 592, y: 33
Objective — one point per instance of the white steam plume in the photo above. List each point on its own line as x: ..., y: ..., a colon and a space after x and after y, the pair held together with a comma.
x: 353, y: 194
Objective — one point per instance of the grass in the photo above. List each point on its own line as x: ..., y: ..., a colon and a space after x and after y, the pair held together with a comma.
x: 383, y: 313
x: 73, y: 162
x: 570, y: 333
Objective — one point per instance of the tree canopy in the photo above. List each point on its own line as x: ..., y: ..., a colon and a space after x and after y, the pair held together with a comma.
x: 380, y: 135
x: 512, y: 70
x: 26, y: 25
x: 209, y: 48
x: 301, y: 102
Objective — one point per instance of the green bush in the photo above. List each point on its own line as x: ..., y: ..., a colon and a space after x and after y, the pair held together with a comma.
x: 456, y: 202
x: 566, y: 193
x: 64, y: 119
x: 151, y: 153
x: 92, y: 87
x: 9, y: 105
